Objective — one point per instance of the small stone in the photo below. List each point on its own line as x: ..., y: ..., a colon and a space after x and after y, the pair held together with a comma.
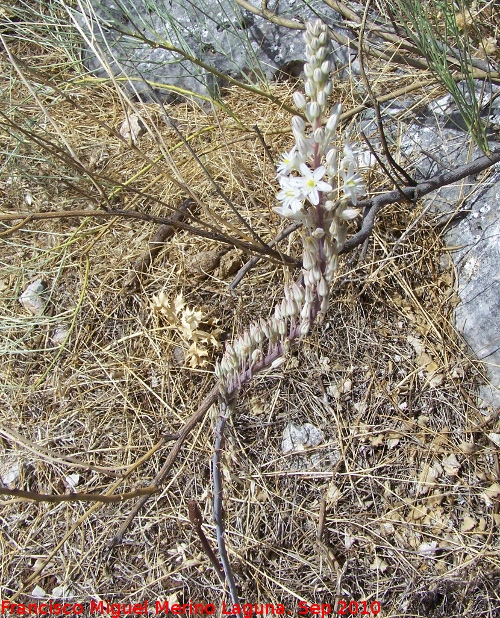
x: 33, y: 298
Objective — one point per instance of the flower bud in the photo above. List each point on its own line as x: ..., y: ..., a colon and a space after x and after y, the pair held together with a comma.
x: 313, y: 110
x: 310, y: 295
x: 299, y: 100
x: 278, y: 362
x: 310, y: 88
x: 328, y: 87
x: 308, y: 70
x: 305, y: 325
x: 314, y: 62
x: 305, y: 314
x: 332, y: 122
x: 323, y: 288
x: 318, y: 76
x: 265, y: 327
x: 291, y: 308
x: 324, y: 38
x: 322, y: 53
x: 321, y: 97
x: 298, y: 293
x: 256, y: 356
x: 319, y: 135
x: 310, y: 51
x: 325, y: 68
x: 316, y: 274
x: 298, y: 124
x: 348, y: 214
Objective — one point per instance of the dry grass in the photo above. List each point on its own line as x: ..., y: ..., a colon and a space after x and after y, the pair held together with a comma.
x: 404, y: 474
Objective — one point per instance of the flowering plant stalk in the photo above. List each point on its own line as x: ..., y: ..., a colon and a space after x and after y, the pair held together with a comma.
x: 320, y: 186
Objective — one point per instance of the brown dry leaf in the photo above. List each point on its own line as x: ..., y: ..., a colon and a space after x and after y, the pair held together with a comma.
x: 468, y: 523
x: 489, y: 45
x: 427, y: 477
x: 190, y: 320
x: 377, y: 440
x: 196, y: 356
x: 416, y: 344
x: 333, y: 495
x: 427, y: 550
x: 493, y: 491
x: 132, y: 128
x: 468, y: 448
x: 431, y: 367
x: 495, y: 438
x: 387, y: 529
x: 451, y: 465
x: 168, y: 308
x: 435, y: 499
x: 436, y: 380
x: 349, y: 540
x: 379, y: 564
x: 393, y: 439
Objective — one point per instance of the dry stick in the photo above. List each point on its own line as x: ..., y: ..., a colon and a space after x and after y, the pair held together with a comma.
x: 189, y: 425
x: 67, y: 460
x: 209, y: 176
x: 196, y: 518
x: 155, y: 246
x: 226, y: 408
x: 263, y: 142
x: 77, y: 497
x: 274, y: 256
x: 373, y: 205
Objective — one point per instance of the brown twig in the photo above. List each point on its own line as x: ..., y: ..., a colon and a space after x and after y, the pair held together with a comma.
x: 373, y: 205
x: 225, y: 410
x: 275, y: 256
x: 196, y: 519
x: 77, y: 497
x: 263, y: 142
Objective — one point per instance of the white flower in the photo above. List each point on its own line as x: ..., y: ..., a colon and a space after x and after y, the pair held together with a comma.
x: 290, y: 162
x: 350, y: 155
x: 292, y: 197
x: 310, y: 183
x: 353, y: 183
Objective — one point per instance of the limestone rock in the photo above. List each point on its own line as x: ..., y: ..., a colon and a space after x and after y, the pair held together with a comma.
x: 131, y: 37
